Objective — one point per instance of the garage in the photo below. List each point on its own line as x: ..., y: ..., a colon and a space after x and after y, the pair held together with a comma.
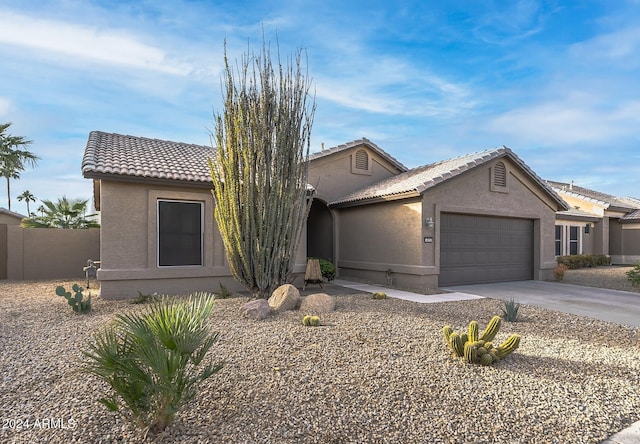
x: 476, y: 249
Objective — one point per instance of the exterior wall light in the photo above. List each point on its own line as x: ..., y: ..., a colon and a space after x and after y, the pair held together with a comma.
x: 587, y: 228
x: 429, y: 223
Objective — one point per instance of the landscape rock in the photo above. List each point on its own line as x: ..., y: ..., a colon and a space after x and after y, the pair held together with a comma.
x: 285, y: 297
x: 318, y: 303
x: 258, y: 309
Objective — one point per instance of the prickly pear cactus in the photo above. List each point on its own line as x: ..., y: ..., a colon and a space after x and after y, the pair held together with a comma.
x: 77, y: 301
x: 479, y: 349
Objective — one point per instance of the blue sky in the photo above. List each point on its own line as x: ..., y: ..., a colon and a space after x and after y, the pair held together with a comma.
x: 556, y: 81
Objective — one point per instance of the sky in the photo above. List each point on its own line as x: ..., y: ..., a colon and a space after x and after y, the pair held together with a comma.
x: 558, y: 82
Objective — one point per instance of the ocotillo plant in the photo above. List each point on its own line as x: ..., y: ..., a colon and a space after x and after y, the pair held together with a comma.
x: 259, y: 172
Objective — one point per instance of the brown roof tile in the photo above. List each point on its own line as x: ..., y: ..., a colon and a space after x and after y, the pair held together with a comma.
x: 419, y: 179
x: 109, y: 155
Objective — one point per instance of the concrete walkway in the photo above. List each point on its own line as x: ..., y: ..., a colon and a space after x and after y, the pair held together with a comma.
x: 407, y: 295
x: 609, y: 305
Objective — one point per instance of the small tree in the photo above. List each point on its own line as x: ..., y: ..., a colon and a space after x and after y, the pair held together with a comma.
x: 27, y: 197
x: 13, y: 160
x: 259, y: 172
x: 65, y: 213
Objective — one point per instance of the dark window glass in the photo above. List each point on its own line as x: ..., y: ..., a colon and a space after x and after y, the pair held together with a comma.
x: 179, y: 233
x: 573, y: 240
x: 559, y: 240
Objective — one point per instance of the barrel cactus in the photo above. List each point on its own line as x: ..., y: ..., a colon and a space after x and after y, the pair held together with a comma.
x: 480, y: 349
x: 311, y: 321
x: 379, y: 295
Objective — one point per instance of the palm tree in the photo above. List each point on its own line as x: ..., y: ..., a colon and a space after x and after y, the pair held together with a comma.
x: 65, y: 213
x: 13, y: 160
x: 28, y: 197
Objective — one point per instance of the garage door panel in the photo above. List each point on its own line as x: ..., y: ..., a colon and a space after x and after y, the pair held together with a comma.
x: 484, y: 249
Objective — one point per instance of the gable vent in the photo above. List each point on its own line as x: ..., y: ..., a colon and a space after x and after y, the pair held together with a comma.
x: 500, y: 175
x: 362, y: 160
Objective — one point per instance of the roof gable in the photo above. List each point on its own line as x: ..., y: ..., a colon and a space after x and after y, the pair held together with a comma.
x: 346, y: 146
x: 11, y: 213
x: 417, y: 180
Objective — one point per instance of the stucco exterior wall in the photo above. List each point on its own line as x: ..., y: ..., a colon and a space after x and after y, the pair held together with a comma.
x: 625, y: 240
x: 333, y: 177
x: 129, y: 244
x: 9, y: 219
x: 380, y: 237
x: 50, y: 253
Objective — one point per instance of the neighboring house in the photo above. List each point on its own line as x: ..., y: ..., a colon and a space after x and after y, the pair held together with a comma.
x: 597, y: 223
x: 7, y: 219
x: 484, y: 217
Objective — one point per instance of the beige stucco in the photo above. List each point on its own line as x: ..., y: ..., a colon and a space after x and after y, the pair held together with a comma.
x: 390, y: 235
x: 48, y: 253
x: 129, y: 243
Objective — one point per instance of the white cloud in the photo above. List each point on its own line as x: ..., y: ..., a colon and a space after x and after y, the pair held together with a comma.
x: 107, y: 46
x: 5, y: 106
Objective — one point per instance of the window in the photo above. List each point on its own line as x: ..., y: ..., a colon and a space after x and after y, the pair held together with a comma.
x: 559, y: 240
x: 573, y: 240
x: 179, y: 233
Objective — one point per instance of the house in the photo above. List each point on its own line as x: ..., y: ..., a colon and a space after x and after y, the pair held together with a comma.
x: 597, y: 223
x: 483, y: 217
x: 7, y: 219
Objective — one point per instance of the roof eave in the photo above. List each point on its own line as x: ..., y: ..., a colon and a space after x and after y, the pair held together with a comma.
x: 374, y: 200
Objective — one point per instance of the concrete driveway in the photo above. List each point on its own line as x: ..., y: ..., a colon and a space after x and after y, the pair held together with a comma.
x: 621, y: 307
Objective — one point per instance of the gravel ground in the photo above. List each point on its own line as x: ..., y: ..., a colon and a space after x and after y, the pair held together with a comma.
x: 377, y: 371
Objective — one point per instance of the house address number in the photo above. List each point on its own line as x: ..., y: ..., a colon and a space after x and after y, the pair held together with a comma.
x: 428, y: 240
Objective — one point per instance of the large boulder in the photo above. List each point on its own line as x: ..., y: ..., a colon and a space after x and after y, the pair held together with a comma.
x: 318, y: 303
x: 258, y: 309
x: 285, y: 297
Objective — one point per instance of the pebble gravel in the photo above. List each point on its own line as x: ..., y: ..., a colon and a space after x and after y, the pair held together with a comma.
x: 376, y: 371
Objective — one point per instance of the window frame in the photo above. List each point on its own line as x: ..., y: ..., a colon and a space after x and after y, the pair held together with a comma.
x: 201, y: 204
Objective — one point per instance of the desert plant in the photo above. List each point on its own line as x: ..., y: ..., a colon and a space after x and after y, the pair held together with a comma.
x: 576, y: 261
x: 379, y: 295
x: 152, y: 360
x: 477, y: 348
x: 144, y: 298
x: 328, y: 269
x: 559, y: 271
x: 311, y: 321
x: 510, y: 310
x: 260, y: 169
x: 78, y: 302
x: 634, y: 275
x: 224, y: 292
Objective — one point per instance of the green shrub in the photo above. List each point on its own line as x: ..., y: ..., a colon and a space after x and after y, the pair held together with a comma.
x: 379, y: 295
x: 634, y: 275
x: 328, y: 269
x: 510, y: 310
x: 478, y: 348
x: 576, y: 261
x: 224, y: 292
x: 144, y: 298
x: 151, y: 359
x: 78, y: 302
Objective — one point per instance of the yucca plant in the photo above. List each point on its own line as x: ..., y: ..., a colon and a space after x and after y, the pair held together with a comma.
x: 152, y: 360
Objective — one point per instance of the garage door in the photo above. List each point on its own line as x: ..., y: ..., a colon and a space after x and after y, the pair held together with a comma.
x: 475, y: 249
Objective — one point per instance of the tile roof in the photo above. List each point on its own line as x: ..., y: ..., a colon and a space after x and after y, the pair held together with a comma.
x: 606, y: 200
x: 363, y: 141
x: 418, y: 180
x: 112, y: 155
x: 634, y: 216
x: 574, y: 213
